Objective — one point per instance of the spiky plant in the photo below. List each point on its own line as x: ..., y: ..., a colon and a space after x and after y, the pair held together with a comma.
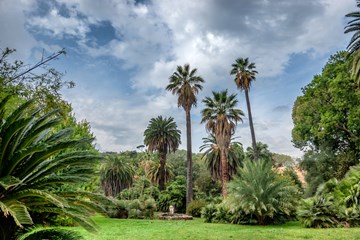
x: 259, y: 191
x: 34, y: 162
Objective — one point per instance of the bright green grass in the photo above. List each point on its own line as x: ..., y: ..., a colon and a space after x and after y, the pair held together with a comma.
x: 113, y: 229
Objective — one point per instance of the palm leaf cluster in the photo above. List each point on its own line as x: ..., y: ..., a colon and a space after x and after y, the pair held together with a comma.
x: 162, y: 135
x: 116, y: 174
x: 212, y: 157
x: 35, y: 162
x: 221, y: 118
x: 259, y: 191
x: 354, y: 44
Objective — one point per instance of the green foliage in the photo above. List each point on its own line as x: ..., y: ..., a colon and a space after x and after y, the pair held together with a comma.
x: 175, y: 194
x: 212, y: 156
x: 327, y: 115
x: 335, y: 204
x: 263, y: 152
x: 194, y: 208
x: 280, y: 160
x: 259, y: 191
x: 50, y: 233
x: 208, y: 212
x: 34, y: 162
x: 116, y: 174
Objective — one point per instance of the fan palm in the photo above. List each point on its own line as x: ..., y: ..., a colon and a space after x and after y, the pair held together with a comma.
x: 259, y: 191
x: 116, y: 175
x: 34, y: 162
x: 212, y: 156
x: 354, y: 45
x: 221, y: 118
x: 186, y: 85
x: 262, y: 152
x: 162, y: 135
x: 245, y: 72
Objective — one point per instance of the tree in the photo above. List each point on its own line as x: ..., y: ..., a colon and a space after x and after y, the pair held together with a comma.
x: 262, y: 152
x: 354, y: 45
x: 186, y: 85
x: 162, y: 135
x: 116, y: 174
x: 35, y: 161
x: 221, y: 118
x: 327, y: 115
x: 212, y: 156
x: 244, y: 72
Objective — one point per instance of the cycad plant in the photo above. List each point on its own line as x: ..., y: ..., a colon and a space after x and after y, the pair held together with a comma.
x: 34, y: 162
x: 259, y: 191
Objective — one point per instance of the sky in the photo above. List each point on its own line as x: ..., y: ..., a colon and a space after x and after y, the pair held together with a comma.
x: 121, y: 53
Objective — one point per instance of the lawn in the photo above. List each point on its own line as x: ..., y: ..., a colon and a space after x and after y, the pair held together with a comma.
x: 111, y: 229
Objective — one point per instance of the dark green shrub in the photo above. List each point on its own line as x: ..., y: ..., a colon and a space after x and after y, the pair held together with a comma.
x: 175, y: 194
x: 222, y: 214
x: 120, y: 210
x: 194, y: 208
x: 149, y: 208
x: 208, y: 212
x: 318, y: 212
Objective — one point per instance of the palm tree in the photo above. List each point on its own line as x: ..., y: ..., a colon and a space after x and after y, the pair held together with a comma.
x: 212, y: 156
x: 116, y: 174
x: 221, y: 118
x: 35, y: 162
x: 354, y: 45
x: 153, y: 173
x: 186, y: 85
x: 162, y: 135
x: 262, y: 151
x: 244, y: 72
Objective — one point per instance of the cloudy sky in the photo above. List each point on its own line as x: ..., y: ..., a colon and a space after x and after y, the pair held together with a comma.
x: 120, y: 54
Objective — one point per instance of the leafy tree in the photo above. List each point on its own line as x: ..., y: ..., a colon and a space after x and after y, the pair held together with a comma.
x: 282, y: 160
x: 186, y: 85
x: 354, y: 45
x: 34, y: 162
x: 327, y: 115
x: 221, y: 118
x: 262, y: 152
x: 116, y: 174
x: 245, y: 72
x: 259, y: 191
x: 162, y: 135
x: 212, y: 156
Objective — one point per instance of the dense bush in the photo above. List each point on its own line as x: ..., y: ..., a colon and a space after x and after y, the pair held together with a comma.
x: 336, y: 203
x: 208, y: 212
x: 194, y: 208
x: 257, y: 190
x: 175, y: 195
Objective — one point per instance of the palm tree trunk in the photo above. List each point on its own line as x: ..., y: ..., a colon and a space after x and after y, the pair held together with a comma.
x: 162, y: 171
x: 224, y: 171
x: 189, y: 181
x: 251, y: 124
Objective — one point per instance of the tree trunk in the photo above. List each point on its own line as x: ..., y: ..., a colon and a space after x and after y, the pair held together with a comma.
x: 251, y: 125
x: 162, y: 171
x: 189, y: 181
x: 224, y: 171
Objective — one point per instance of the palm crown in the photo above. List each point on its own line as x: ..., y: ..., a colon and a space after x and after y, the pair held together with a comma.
x: 185, y: 84
x: 244, y: 72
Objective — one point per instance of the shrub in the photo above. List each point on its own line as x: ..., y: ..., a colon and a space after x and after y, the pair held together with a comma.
x: 120, y: 210
x: 208, y: 212
x: 175, y: 194
x: 149, y: 208
x: 259, y: 191
x: 194, y: 208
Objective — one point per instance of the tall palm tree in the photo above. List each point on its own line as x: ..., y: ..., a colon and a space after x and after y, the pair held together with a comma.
x: 162, y: 135
x: 212, y: 156
x: 221, y: 118
x: 244, y: 72
x: 186, y: 85
x: 354, y: 45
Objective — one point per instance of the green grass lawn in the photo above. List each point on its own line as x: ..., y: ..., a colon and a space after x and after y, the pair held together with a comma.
x: 111, y: 229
